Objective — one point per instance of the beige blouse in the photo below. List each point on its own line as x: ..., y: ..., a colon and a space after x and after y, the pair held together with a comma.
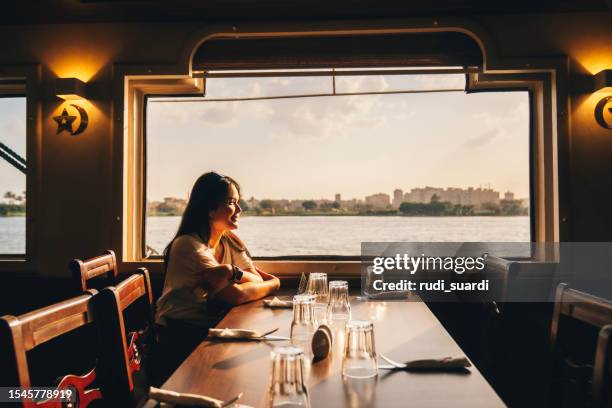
x: 183, y: 297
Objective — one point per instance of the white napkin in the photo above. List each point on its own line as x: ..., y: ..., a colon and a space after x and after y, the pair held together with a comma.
x: 234, y: 333
x: 172, y: 397
x: 278, y: 303
x: 438, y: 363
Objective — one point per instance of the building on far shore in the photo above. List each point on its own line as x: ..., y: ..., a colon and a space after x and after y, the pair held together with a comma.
x: 380, y: 200
x: 470, y: 196
x: 398, y: 197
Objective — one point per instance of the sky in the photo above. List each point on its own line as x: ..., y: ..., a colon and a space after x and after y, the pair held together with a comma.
x: 353, y: 145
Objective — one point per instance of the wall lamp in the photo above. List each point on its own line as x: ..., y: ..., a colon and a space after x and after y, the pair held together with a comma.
x: 71, y: 89
x: 602, y: 81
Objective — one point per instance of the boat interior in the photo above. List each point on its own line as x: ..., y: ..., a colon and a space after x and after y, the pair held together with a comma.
x: 96, y: 96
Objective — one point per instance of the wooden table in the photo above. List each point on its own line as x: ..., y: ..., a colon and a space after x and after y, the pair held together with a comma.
x: 403, y: 331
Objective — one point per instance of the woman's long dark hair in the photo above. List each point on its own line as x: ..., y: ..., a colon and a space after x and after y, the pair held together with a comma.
x: 209, y: 191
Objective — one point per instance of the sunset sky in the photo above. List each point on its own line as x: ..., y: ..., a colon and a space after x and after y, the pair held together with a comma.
x: 353, y: 145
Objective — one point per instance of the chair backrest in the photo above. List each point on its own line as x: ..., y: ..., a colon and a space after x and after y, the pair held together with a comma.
x: 581, y: 306
x: 82, y: 271
x: 586, y: 311
x: 21, y: 334
x: 122, y: 351
x: 602, y: 369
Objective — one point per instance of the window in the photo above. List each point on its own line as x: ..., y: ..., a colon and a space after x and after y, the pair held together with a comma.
x: 403, y: 157
x: 12, y: 174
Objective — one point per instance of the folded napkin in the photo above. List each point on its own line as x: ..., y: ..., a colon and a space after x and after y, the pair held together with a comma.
x: 172, y: 397
x: 439, y: 363
x: 234, y: 333
x: 278, y: 303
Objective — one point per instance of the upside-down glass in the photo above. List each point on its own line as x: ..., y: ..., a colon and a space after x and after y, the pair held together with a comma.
x: 304, y: 322
x: 317, y: 286
x: 359, y: 350
x: 287, y: 380
x: 339, y: 307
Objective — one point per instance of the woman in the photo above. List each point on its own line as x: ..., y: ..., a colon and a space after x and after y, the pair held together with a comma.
x: 208, y: 268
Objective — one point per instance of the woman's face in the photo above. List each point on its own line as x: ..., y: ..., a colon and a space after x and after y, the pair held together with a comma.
x: 225, y: 217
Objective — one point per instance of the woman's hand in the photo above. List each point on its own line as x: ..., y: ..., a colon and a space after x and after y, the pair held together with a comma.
x: 239, y: 293
x: 249, y: 276
x: 269, y: 277
x: 264, y: 275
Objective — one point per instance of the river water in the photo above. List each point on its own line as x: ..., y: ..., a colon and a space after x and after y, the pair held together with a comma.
x: 342, y: 235
x: 295, y: 235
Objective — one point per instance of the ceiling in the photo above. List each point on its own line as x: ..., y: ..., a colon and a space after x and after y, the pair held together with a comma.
x: 74, y: 11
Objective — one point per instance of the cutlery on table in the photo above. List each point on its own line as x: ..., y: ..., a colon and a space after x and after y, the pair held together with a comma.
x: 273, y: 338
x: 446, y: 363
x: 242, y: 334
x: 266, y: 336
x: 173, y: 397
x: 394, y: 364
x: 231, y: 401
x: 269, y: 332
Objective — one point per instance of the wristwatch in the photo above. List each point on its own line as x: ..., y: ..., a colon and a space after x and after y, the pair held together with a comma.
x: 236, y: 274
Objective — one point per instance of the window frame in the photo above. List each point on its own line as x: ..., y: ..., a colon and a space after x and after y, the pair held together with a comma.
x: 17, y: 91
x: 546, y: 77
x: 24, y: 81
x: 324, y: 257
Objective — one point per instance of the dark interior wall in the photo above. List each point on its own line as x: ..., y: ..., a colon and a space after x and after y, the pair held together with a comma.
x: 74, y: 190
x: 585, y: 39
x: 75, y: 183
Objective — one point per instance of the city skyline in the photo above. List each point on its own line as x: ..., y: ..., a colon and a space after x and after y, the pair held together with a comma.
x: 417, y: 201
x: 340, y: 197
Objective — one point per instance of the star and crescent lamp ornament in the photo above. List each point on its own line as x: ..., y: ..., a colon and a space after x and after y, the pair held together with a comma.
x: 603, y: 112
x: 602, y: 82
x: 65, y: 120
x: 71, y: 89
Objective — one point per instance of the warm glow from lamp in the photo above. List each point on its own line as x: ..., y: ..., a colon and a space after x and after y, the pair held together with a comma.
x: 74, y: 63
x: 593, y: 59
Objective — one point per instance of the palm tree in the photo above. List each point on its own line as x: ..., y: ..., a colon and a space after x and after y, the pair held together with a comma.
x: 10, y: 196
x: 309, y: 205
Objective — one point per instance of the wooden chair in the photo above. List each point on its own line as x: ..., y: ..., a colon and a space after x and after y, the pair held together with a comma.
x: 123, y: 351
x: 83, y: 271
x: 19, y: 335
x: 588, y: 311
x: 602, y: 369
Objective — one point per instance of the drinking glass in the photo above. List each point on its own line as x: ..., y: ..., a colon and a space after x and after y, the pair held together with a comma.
x: 304, y: 322
x: 287, y: 380
x: 359, y: 351
x: 368, y: 278
x: 317, y: 286
x: 359, y: 392
x: 339, y: 308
